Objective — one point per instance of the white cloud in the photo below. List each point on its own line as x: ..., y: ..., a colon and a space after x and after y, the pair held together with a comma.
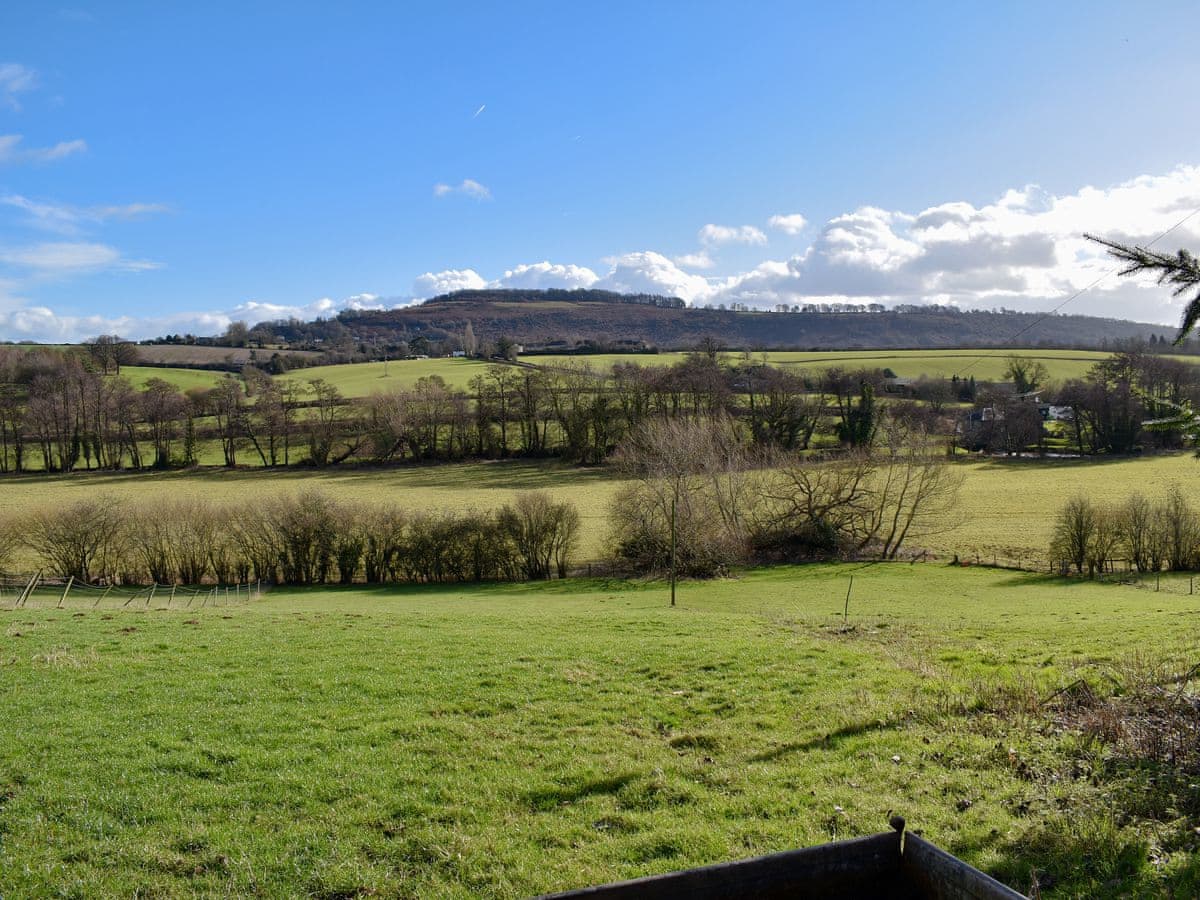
x: 15, y: 79
x: 11, y: 151
x: 468, y: 187
x: 67, y: 219
x: 792, y: 223
x: 20, y: 320
x: 1025, y: 251
x: 56, y: 258
x: 699, y: 260
x: 432, y: 284
x: 542, y: 275
x: 647, y: 272
x: 715, y: 235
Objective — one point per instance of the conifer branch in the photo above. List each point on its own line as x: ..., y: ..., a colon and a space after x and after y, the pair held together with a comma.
x: 1181, y: 271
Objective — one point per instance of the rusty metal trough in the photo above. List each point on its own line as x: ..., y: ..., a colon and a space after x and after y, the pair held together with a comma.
x: 893, y: 864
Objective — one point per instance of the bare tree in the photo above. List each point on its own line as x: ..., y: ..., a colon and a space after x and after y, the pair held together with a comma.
x: 1074, y: 532
x: 544, y: 532
x: 695, y: 472
x: 83, y: 539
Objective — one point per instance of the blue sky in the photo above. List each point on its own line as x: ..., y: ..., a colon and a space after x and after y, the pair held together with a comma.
x: 167, y: 167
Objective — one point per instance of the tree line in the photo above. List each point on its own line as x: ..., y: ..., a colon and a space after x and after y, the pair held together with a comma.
x: 1149, y: 535
x: 303, y: 539
x: 60, y: 412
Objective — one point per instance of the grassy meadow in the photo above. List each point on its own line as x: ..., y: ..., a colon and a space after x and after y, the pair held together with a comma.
x: 1006, y: 507
x: 183, y: 379
x: 982, y: 364
x: 503, y: 740
x: 365, y: 379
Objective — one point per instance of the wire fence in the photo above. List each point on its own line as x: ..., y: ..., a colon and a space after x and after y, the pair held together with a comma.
x: 1116, y: 570
x: 46, y: 592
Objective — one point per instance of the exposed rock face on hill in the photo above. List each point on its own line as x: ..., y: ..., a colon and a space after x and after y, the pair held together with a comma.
x: 563, y: 320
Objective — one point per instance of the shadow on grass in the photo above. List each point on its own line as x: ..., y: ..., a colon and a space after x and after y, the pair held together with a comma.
x: 511, y: 474
x: 546, y: 799
x: 829, y: 741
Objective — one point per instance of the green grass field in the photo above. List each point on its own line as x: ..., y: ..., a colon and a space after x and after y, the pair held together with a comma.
x: 364, y: 379
x: 184, y: 379
x: 986, y: 365
x: 507, y: 740
x: 1006, y: 507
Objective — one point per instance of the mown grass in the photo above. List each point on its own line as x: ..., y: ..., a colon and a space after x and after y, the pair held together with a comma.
x: 506, y: 740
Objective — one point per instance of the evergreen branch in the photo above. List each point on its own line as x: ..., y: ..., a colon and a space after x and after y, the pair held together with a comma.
x: 1181, y: 271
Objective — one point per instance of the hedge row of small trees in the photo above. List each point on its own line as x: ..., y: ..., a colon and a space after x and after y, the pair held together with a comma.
x: 306, y: 538
x: 731, y: 505
x: 1151, y: 534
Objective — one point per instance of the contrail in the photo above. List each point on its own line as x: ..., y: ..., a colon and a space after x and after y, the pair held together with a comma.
x: 482, y: 107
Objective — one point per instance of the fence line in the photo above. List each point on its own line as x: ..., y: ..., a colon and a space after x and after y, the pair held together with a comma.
x: 1115, y: 570
x: 70, y: 592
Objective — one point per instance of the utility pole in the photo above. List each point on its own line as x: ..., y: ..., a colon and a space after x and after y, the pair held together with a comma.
x: 673, y: 502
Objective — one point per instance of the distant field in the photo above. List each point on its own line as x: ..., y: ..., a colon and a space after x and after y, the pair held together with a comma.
x: 1007, y: 507
x: 459, y: 486
x: 505, y: 740
x: 191, y: 355
x: 364, y: 379
x: 184, y: 379
x: 983, y: 364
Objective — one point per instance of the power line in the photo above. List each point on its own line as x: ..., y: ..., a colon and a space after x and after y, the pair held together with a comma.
x: 1075, y: 296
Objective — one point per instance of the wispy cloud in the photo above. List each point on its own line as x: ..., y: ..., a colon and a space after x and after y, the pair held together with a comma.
x: 64, y: 218
x: 469, y: 187
x: 15, y: 79
x: 61, y: 258
x: 11, y: 151
x: 715, y: 235
x: 792, y: 223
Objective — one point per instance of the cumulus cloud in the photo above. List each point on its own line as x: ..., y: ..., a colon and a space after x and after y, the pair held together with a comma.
x: 647, y: 272
x: 15, y: 79
x: 715, y: 235
x: 699, y: 260
x: 542, y: 275
x: 11, y: 151
x: 1025, y: 250
x: 21, y: 320
x: 431, y: 284
x: 468, y: 187
x: 792, y: 223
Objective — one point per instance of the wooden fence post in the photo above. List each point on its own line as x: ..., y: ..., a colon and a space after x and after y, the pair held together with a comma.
x: 66, y: 590
x: 23, y: 599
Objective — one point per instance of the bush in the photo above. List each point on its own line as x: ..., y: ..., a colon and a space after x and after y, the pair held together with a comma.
x: 543, y: 533
x: 307, y: 538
